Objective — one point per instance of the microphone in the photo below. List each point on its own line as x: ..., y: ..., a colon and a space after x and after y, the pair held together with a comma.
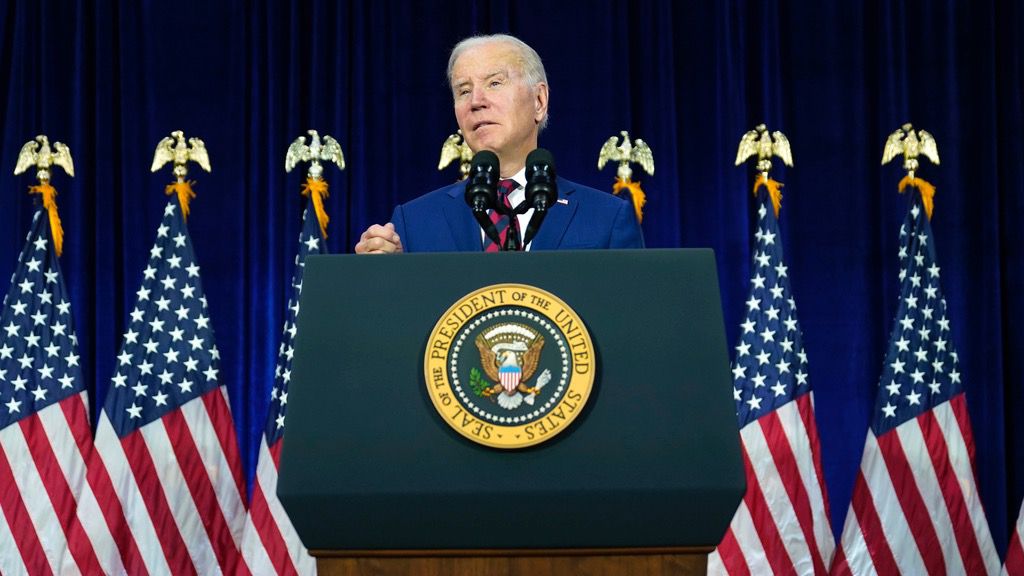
x: 541, y: 188
x: 482, y: 190
x: 482, y: 183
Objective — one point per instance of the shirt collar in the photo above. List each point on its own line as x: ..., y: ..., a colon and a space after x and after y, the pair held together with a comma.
x: 519, y: 194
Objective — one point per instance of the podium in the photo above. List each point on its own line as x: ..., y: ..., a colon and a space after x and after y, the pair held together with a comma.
x: 645, y: 480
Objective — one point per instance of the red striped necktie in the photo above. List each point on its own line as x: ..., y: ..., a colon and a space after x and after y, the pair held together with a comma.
x: 502, y: 221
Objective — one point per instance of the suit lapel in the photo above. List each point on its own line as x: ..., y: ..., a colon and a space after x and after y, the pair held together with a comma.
x: 464, y: 228
x: 557, y: 221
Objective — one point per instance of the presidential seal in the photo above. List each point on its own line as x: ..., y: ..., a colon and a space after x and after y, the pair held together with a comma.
x: 509, y: 366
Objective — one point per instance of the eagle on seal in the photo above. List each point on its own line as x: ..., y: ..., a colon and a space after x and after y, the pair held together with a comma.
x: 508, y: 360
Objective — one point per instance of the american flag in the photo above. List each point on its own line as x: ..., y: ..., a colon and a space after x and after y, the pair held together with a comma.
x: 44, y: 420
x: 167, y: 466
x: 1015, y: 553
x: 782, y: 524
x: 915, y: 506
x: 269, y: 542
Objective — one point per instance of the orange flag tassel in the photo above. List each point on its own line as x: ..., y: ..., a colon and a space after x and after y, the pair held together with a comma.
x: 185, y: 195
x: 774, y: 190
x: 638, y: 196
x: 927, y: 192
x: 316, y: 190
x: 49, y: 194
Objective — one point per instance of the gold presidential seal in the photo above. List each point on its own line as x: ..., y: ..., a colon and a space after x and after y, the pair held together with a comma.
x: 509, y: 366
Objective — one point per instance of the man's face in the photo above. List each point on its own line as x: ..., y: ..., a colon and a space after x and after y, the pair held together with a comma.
x: 494, y: 107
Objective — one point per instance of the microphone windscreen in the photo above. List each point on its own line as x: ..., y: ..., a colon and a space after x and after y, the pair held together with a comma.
x: 541, y: 157
x: 484, y: 158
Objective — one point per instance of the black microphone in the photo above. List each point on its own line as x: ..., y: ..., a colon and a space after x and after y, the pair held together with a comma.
x: 482, y: 190
x: 482, y: 183
x: 541, y: 188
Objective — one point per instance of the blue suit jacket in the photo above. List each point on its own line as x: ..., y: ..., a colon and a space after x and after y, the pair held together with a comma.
x: 583, y: 218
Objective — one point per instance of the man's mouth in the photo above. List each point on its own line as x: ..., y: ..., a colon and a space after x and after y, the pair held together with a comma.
x: 479, y: 125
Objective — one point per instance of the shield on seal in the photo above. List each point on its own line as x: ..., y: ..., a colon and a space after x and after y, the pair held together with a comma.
x: 509, y: 376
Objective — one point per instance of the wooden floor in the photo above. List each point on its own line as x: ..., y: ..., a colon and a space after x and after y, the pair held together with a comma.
x: 510, y: 564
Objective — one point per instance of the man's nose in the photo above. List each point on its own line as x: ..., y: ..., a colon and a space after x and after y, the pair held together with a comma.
x: 478, y: 98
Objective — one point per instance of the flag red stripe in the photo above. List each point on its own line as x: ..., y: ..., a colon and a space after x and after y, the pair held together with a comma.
x: 871, y: 527
x: 99, y: 482
x: 78, y: 421
x: 959, y: 405
x: 275, y: 452
x: 144, y: 471
x: 786, y: 466
x: 960, y: 516
x: 1015, y: 554
x: 731, y: 555
x: 25, y: 536
x: 840, y: 567
x: 220, y: 415
x: 912, y: 503
x: 269, y: 533
x: 59, y: 492
x: 806, y: 410
x: 113, y: 513
x: 198, y: 481
x: 767, y: 531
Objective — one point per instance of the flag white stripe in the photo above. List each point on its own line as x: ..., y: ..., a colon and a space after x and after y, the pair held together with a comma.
x: 267, y: 475
x: 202, y: 430
x: 963, y: 469
x: 747, y: 539
x: 172, y: 480
x: 253, y: 551
x: 855, y: 550
x: 715, y: 565
x: 90, y: 514
x: 10, y: 560
x: 887, y: 504
x: 113, y: 458
x: 57, y: 429
x: 58, y: 432
x: 800, y: 444
x: 920, y: 465
x: 775, y: 495
x: 34, y: 496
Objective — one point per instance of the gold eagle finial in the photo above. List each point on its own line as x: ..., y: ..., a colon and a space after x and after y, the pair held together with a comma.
x: 316, y: 151
x: 911, y: 144
x: 173, y: 149
x: 624, y: 153
x: 167, y: 150
x: 315, y: 187
x: 637, y: 151
x: 759, y: 141
x: 456, y: 148
x: 37, y: 152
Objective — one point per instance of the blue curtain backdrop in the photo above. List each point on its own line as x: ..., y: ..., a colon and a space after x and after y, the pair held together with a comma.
x: 111, y: 78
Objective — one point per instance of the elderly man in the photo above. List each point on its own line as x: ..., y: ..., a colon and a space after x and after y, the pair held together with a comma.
x: 500, y: 92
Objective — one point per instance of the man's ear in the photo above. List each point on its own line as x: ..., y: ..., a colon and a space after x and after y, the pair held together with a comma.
x: 540, y: 101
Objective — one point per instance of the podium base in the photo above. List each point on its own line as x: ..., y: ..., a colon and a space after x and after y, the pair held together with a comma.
x: 690, y: 561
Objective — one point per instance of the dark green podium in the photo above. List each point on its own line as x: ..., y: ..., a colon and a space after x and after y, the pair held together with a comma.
x: 649, y: 470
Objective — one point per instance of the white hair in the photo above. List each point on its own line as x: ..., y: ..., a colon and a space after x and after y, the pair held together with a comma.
x: 529, y: 62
